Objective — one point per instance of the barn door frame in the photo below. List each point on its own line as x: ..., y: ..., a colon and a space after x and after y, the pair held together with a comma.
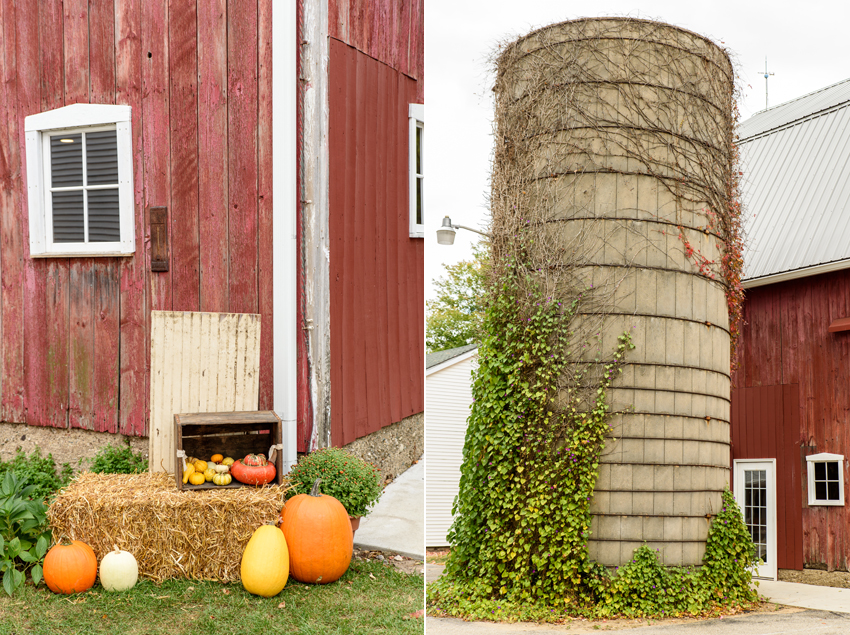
x: 750, y: 507
x: 284, y: 216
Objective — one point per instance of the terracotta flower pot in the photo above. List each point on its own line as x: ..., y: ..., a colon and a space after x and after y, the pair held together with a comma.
x: 355, y: 523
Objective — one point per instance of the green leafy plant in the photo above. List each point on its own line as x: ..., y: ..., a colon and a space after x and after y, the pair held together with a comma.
x: 112, y: 459
x: 454, y: 317
x: 39, y: 471
x: 24, y: 533
x: 351, y: 480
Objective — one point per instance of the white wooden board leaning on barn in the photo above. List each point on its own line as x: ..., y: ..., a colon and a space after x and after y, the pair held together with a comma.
x: 200, y: 362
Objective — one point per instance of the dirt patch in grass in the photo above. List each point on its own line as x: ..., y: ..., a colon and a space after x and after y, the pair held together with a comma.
x: 410, y: 566
x: 437, y: 556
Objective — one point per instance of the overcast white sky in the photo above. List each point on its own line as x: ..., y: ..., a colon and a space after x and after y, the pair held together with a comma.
x: 806, y: 45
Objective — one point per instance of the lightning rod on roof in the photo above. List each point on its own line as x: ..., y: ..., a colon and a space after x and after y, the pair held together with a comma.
x: 766, y: 75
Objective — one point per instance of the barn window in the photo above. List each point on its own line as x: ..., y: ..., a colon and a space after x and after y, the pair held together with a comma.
x: 826, y: 479
x: 417, y: 166
x: 80, y: 181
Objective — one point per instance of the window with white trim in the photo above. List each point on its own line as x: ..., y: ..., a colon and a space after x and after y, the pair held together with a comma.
x: 417, y: 166
x: 826, y: 479
x: 80, y: 181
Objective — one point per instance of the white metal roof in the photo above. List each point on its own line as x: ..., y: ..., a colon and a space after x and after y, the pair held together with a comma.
x: 796, y: 187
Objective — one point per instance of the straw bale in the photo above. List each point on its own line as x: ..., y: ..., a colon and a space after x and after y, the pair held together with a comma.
x: 197, y: 534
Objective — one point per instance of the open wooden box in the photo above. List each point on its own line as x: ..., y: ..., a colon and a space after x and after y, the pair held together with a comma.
x: 233, y: 434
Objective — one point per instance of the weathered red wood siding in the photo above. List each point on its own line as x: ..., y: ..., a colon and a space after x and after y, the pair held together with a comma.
x: 75, y: 331
x: 786, y: 341
x: 376, y: 269
x: 765, y: 424
x: 389, y: 31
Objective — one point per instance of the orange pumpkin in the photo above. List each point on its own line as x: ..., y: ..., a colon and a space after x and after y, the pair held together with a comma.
x: 70, y: 567
x: 318, y: 535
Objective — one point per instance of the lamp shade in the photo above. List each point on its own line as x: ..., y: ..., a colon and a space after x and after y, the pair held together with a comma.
x: 446, y: 233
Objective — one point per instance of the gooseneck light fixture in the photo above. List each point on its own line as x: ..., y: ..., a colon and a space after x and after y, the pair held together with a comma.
x: 446, y: 233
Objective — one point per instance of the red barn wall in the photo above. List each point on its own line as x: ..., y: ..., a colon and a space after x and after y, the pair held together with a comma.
x: 786, y: 342
x: 75, y: 331
x: 376, y: 269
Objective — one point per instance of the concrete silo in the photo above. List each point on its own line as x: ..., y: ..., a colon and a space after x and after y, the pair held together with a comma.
x: 611, y: 177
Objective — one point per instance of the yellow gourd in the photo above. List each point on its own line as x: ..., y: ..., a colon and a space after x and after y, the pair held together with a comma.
x: 208, y: 474
x: 187, y: 472
x: 227, y: 461
x: 265, y: 562
x: 197, y: 478
x: 200, y: 466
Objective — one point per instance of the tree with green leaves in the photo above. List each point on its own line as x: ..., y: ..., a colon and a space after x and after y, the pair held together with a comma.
x: 455, y: 316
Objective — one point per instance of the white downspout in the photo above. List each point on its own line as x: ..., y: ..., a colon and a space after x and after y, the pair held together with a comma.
x: 284, y: 215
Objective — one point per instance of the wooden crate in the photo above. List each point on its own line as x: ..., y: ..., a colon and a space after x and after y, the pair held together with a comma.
x: 233, y: 434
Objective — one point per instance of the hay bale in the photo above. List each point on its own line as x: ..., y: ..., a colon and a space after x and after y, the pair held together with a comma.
x: 198, y: 534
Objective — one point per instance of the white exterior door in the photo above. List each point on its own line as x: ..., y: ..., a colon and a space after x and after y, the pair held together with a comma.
x: 755, y: 493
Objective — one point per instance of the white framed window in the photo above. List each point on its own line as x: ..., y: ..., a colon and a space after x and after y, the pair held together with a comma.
x: 417, y: 166
x: 825, y: 474
x: 80, y: 181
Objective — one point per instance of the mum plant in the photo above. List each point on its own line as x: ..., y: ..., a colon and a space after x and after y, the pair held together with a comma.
x: 351, y: 480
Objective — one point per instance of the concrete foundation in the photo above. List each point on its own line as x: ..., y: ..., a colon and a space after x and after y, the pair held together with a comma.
x: 394, y: 448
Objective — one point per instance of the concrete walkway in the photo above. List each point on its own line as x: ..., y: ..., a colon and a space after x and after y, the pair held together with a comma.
x: 806, y: 596
x: 397, y: 523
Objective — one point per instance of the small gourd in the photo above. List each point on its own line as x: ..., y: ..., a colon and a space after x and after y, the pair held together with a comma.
x: 208, y: 474
x: 200, y: 466
x: 227, y: 461
x: 197, y: 478
x: 222, y: 469
x: 119, y: 570
x: 187, y: 472
x: 216, y: 458
x: 222, y: 478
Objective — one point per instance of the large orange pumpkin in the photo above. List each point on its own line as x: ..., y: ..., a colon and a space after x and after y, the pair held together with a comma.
x: 70, y: 567
x: 318, y: 535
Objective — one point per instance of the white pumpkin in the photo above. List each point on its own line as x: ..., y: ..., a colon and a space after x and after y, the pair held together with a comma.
x: 119, y: 570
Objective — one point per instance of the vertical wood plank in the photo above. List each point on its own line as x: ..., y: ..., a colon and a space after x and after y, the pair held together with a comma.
x: 355, y: 359
x: 183, y: 119
x: 134, y: 348
x: 12, y: 235
x: 76, y: 33
x: 212, y: 155
x: 265, y: 188
x: 242, y: 156
x: 156, y: 135
x: 395, y: 284
x: 102, y: 50
x: 105, y: 330
x: 45, y: 296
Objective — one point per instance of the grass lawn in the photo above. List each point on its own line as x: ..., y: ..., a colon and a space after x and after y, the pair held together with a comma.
x: 370, y: 598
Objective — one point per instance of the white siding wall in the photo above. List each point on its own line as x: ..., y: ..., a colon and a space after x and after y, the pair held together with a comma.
x: 448, y: 396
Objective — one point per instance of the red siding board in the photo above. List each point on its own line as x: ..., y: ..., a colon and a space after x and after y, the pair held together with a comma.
x: 81, y: 342
x: 265, y: 186
x: 376, y: 277
x: 102, y: 51
x: 76, y: 32
x: 134, y: 351
x: 12, y: 234
x: 212, y: 154
x: 242, y: 156
x: 183, y: 116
